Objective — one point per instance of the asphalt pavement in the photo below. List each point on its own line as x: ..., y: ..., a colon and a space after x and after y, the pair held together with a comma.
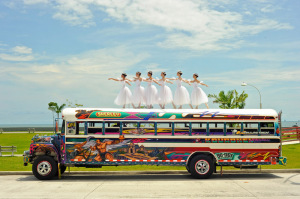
x: 262, y: 185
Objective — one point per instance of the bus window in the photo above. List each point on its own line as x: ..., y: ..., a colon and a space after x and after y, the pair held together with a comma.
x: 95, y: 127
x: 199, y: 128
x: 181, y: 128
x: 250, y: 128
x: 112, y: 128
x: 71, y: 128
x: 130, y: 128
x: 146, y: 128
x: 267, y: 128
x: 79, y: 128
x: 233, y: 128
x: 216, y: 128
x: 164, y: 128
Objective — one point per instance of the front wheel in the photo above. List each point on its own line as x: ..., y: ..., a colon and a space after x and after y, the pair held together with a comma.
x: 201, y: 167
x: 44, y: 168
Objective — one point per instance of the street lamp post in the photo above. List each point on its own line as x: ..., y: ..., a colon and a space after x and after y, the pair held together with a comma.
x: 246, y: 84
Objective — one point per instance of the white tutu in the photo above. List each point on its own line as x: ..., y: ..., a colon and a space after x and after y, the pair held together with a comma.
x: 138, y: 96
x: 198, y: 95
x: 124, y: 96
x: 181, y: 95
x: 165, y: 94
x: 151, y: 94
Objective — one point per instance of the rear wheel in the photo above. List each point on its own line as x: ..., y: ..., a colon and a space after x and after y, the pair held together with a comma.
x: 44, y: 168
x: 201, y: 167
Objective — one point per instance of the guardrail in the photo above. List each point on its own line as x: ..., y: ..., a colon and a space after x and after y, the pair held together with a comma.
x: 290, y: 134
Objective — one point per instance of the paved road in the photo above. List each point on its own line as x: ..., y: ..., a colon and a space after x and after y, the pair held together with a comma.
x: 153, y: 186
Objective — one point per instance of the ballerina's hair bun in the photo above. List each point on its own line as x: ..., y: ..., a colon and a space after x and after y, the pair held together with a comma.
x: 124, y: 74
x: 179, y: 72
x: 139, y: 73
x: 196, y: 74
x: 150, y: 72
x: 164, y: 73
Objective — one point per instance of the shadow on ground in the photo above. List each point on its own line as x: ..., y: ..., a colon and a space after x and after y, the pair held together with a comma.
x: 156, y: 177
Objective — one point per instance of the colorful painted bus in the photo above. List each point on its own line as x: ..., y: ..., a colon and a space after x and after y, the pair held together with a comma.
x: 199, y: 139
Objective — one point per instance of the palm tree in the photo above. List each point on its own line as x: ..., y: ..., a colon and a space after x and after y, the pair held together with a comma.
x: 240, y: 99
x: 53, y: 106
x: 230, y: 100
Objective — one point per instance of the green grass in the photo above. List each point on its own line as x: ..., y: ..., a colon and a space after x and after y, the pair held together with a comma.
x: 22, y: 141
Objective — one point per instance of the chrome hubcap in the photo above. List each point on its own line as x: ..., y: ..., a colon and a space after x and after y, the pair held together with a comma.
x: 44, y: 168
x: 202, y: 167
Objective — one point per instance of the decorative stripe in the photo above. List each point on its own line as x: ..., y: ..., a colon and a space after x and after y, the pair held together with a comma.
x: 117, y: 160
x: 78, y: 160
x: 243, y: 161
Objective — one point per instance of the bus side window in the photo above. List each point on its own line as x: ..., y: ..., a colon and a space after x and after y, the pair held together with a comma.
x: 233, y: 128
x: 164, y: 128
x: 71, y: 128
x: 250, y: 128
x: 216, y: 128
x: 112, y: 128
x: 267, y: 128
x: 130, y: 128
x: 95, y: 127
x: 199, y: 128
x: 79, y: 128
x: 181, y: 128
x: 146, y: 128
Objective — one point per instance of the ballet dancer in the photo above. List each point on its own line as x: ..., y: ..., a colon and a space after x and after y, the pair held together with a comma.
x: 198, y: 96
x: 124, y: 97
x: 181, y: 95
x: 138, y: 96
x: 151, y: 94
x: 165, y: 93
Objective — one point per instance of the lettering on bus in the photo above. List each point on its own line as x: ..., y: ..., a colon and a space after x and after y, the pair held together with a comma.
x: 225, y: 156
x: 108, y: 114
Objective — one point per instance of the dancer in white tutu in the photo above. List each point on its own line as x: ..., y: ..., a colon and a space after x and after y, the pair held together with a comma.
x: 151, y: 93
x: 124, y: 96
x: 198, y: 95
x: 181, y: 95
x: 138, y: 96
x: 165, y: 93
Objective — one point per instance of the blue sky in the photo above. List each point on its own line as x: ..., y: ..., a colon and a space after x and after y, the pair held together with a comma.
x: 53, y: 50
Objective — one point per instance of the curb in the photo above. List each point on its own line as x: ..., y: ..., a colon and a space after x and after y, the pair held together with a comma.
x: 161, y: 172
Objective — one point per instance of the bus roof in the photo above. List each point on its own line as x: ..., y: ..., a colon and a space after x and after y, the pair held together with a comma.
x: 73, y: 114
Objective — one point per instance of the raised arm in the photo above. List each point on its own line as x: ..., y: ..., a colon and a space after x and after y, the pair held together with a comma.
x: 173, y: 78
x: 203, y: 84
x: 131, y: 80
x: 169, y: 82
x: 114, y: 79
x: 127, y: 82
x: 156, y: 82
x: 186, y: 81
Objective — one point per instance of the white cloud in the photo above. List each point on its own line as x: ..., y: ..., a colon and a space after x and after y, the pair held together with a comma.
x: 9, y: 57
x: 191, y: 24
x: 17, y: 53
x: 263, y: 76
x: 22, y: 50
x: 75, y: 69
x: 29, y: 2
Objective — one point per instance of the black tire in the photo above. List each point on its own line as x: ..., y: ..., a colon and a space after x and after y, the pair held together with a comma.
x: 44, y: 168
x: 201, y: 167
